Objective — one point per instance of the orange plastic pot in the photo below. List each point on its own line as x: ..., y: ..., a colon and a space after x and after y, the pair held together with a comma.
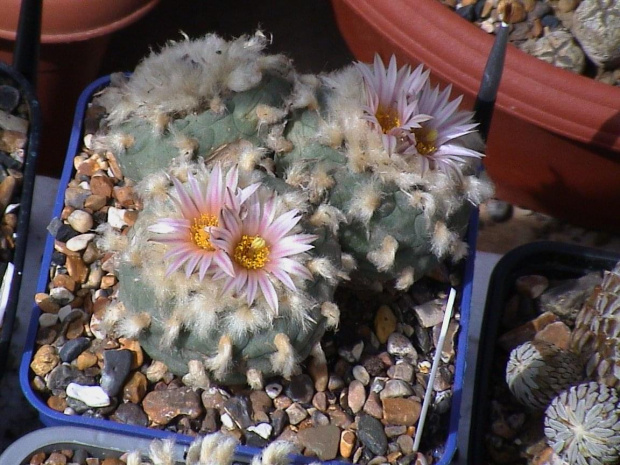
x: 74, y: 38
x: 554, y: 143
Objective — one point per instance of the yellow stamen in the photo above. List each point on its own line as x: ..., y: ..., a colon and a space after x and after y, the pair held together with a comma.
x: 388, y: 118
x: 425, y: 140
x: 251, y: 252
x: 198, y: 234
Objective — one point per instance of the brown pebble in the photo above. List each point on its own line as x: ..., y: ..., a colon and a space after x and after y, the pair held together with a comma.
x: 77, y: 269
x: 525, y: 332
x: 75, y: 329
x: 45, y: 360
x: 557, y: 333
x: 347, y: 443
x: 95, y: 202
x: 112, y: 461
x: 385, y: 323
x: 45, y: 303
x: 101, y: 185
x: 64, y: 280
x: 319, y: 401
x: 108, y: 281
x: 135, y: 388
x: 38, y: 458
x: 85, y: 360
x: 165, y: 405
x: 134, y: 346
x: 56, y: 458
x: 57, y: 403
x: 401, y: 411
x: 124, y: 196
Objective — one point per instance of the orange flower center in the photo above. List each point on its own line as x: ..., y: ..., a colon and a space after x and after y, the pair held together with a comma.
x: 425, y: 140
x: 198, y: 234
x: 388, y: 118
x: 251, y: 252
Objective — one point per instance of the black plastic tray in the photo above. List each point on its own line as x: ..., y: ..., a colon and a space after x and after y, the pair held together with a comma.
x: 551, y: 259
x: 26, y: 194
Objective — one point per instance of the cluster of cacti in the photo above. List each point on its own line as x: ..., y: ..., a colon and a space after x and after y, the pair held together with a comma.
x: 576, y: 386
x: 378, y: 167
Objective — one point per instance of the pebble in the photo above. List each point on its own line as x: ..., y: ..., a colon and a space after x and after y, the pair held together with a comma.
x: 264, y: 430
x: 361, y: 374
x: 116, y: 367
x: 164, y: 405
x: 61, y: 296
x: 45, y: 359
x: 81, y: 221
x: 93, y: 396
x: 371, y: 433
x: 135, y: 388
x: 385, y: 323
x: 240, y: 411
x: 47, y: 320
x: 400, y: 411
x: 156, y: 371
x: 373, y: 405
x: 401, y: 346
x: 347, y: 443
x: 402, y: 370
x: 296, y: 414
x: 300, y: 389
x: 79, y: 243
x: 73, y: 348
x: 396, y: 388
x: 323, y: 441
x: 273, y: 390
x: 356, y: 396
x: 116, y: 217
x: 430, y: 313
x: 130, y: 413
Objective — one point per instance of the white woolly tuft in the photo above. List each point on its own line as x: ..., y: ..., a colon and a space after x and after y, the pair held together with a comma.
x: 332, y: 313
x: 245, y: 320
x: 295, y: 200
x: 284, y: 360
x: 442, y: 239
x: 424, y: 201
x: 366, y: 199
x: 250, y: 156
x: 133, y: 458
x: 405, y: 279
x: 187, y: 146
x: 255, y: 379
x: 202, y: 310
x: 222, y: 361
x: 478, y: 190
x: 296, y: 175
x: 383, y: 257
x: 269, y: 115
x: 173, y: 327
x: 348, y: 262
x: 329, y: 216
x: 114, y: 312
x: 213, y: 449
x: 161, y: 452
x: 196, y: 376
x: 109, y: 239
x: 155, y: 186
x: 276, y: 141
x: 322, y: 266
x: 320, y: 183
x: 304, y: 93
x: 459, y: 250
x: 276, y: 453
x: 132, y: 325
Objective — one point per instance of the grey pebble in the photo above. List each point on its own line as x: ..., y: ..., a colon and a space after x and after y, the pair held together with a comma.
x: 300, y: 389
x: 129, y: 413
x: 116, y: 367
x: 371, y: 434
x: 240, y: 411
x: 72, y: 348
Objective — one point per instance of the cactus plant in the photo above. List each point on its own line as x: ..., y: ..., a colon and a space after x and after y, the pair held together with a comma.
x: 373, y: 164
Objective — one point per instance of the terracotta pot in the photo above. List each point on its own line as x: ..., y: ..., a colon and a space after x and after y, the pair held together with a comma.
x: 554, y: 141
x: 74, y: 37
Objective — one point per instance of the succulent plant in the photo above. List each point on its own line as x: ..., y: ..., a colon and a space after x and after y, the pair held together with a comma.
x: 597, y: 332
x: 387, y: 162
x: 582, y: 425
x: 211, y: 449
x: 537, y: 371
x: 226, y: 276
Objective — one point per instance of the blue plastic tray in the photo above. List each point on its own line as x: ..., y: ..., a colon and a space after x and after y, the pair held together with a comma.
x: 51, y: 417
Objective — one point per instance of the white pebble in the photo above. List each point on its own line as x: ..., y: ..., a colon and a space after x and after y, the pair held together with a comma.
x: 80, y: 242
x: 273, y: 390
x: 262, y: 429
x: 361, y: 374
x: 80, y: 220
x: 61, y: 295
x: 227, y: 421
x: 93, y: 396
x: 116, y: 217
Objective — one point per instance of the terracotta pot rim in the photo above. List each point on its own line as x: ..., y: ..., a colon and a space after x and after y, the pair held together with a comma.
x: 455, y: 50
x: 113, y: 20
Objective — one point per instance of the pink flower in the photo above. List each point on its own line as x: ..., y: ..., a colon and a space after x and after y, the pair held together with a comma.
x: 389, y: 106
x: 262, y: 249
x: 432, y: 140
x: 200, y: 204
